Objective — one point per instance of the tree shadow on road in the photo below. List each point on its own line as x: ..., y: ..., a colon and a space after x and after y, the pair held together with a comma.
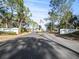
x: 27, y: 48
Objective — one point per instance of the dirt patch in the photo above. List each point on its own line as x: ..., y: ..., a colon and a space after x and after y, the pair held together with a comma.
x: 10, y: 37
x: 6, y: 37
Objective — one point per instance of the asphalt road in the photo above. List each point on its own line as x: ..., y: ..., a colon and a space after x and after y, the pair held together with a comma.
x: 34, y: 46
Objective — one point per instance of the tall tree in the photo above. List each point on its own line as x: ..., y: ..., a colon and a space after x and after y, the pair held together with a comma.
x: 74, y: 21
x: 22, y: 12
x: 4, y: 12
x: 10, y: 8
x: 65, y: 20
x: 60, y: 8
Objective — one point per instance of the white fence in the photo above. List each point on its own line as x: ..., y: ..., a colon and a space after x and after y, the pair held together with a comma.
x: 9, y: 30
x: 67, y: 31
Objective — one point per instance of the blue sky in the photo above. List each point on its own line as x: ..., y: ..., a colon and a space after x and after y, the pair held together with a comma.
x: 75, y: 7
x: 40, y: 8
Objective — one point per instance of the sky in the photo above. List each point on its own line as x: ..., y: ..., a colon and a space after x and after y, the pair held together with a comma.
x: 40, y: 8
x: 75, y: 7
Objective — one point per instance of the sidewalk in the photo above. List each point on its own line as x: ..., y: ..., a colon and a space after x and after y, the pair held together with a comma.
x: 73, y: 45
x: 11, y: 37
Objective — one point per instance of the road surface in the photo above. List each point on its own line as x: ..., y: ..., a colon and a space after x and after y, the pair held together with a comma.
x: 34, y: 46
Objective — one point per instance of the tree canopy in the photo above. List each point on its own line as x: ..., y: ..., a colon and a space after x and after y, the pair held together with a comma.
x: 13, y: 11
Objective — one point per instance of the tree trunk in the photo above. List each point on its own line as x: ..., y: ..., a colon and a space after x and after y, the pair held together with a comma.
x: 20, y: 26
x: 59, y: 29
x: 51, y: 27
x: 11, y: 14
x: 6, y: 24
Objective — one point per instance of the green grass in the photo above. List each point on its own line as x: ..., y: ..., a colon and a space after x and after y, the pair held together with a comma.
x: 7, y: 33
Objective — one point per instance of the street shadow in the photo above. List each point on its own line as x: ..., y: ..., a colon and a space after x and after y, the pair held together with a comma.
x: 27, y: 48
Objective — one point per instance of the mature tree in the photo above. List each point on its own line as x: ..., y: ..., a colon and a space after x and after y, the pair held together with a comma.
x: 23, y: 13
x: 74, y: 21
x: 59, y: 5
x: 14, y: 12
x: 33, y: 24
x: 11, y: 4
x: 60, y: 9
x: 65, y: 20
x: 4, y: 13
x: 49, y: 26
